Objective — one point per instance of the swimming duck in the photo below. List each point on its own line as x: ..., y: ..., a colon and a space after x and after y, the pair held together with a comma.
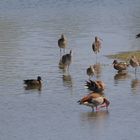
x: 120, y: 66
x: 33, y: 82
x: 94, y: 100
x: 96, y: 86
x: 62, y: 42
x: 138, y: 35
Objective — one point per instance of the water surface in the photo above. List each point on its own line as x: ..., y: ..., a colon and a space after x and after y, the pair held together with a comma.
x: 29, y: 31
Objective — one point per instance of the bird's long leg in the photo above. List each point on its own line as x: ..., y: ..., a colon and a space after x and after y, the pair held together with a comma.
x: 96, y: 58
x: 64, y: 50
x: 60, y: 52
x: 92, y: 109
x: 97, y: 109
x: 135, y: 70
x: 106, y: 108
x: 135, y: 74
x: 68, y: 69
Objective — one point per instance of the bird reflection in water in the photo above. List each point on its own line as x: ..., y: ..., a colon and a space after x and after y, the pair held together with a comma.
x: 121, y: 76
x: 67, y: 80
x: 33, y: 88
x: 135, y: 84
x: 97, y: 68
x: 97, y: 118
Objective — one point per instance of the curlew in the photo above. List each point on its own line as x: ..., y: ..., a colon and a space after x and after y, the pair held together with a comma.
x: 90, y: 71
x: 66, y: 59
x: 62, y: 42
x: 134, y: 62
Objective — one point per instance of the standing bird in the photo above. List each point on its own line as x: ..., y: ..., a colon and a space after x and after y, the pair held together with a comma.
x: 66, y: 60
x: 33, y: 83
x: 90, y: 71
x: 134, y: 62
x: 96, y: 46
x: 138, y: 35
x: 95, y: 86
x: 120, y: 66
x: 94, y: 100
x: 62, y: 42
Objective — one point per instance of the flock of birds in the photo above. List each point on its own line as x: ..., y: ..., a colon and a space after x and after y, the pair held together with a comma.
x: 96, y: 99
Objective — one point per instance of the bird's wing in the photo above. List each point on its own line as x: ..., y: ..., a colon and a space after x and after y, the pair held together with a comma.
x: 95, y: 95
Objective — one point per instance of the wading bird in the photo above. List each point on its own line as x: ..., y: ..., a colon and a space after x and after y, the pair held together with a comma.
x: 134, y: 62
x: 62, y: 42
x: 96, y: 46
x: 65, y: 61
x: 120, y: 66
x: 95, y: 86
x: 90, y: 71
x: 94, y: 100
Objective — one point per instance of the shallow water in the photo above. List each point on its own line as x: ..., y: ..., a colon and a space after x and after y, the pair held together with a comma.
x: 29, y: 31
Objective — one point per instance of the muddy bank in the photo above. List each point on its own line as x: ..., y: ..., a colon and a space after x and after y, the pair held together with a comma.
x: 125, y: 55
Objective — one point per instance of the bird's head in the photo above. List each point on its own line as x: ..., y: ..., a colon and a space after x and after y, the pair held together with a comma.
x: 115, y: 62
x: 96, y: 38
x: 62, y: 35
x: 39, y: 78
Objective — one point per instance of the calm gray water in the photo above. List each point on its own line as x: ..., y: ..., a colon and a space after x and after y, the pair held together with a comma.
x: 29, y: 31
